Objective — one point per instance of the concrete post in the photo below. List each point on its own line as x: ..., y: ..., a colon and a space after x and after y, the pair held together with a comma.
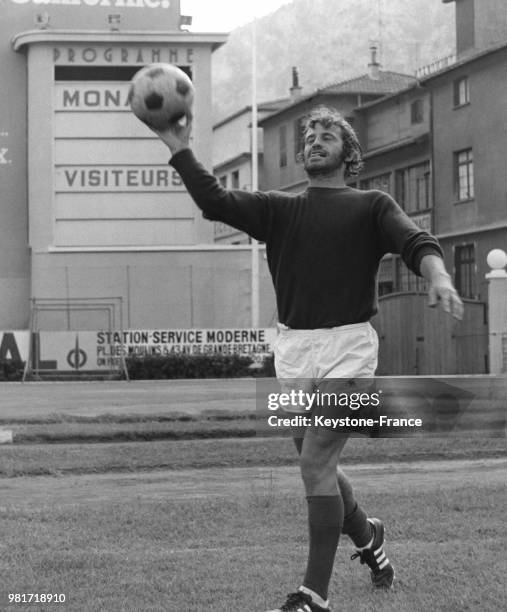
x: 497, y: 311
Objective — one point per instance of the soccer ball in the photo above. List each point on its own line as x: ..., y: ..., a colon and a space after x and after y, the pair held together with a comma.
x: 161, y: 94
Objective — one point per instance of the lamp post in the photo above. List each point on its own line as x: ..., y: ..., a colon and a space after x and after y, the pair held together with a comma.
x: 497, y: 311
x: 255, y: 181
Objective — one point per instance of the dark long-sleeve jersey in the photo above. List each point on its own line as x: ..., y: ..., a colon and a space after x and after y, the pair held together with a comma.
x: 323, y: 245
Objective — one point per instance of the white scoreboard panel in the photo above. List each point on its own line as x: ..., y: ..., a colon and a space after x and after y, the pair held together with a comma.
x: 112, y: 183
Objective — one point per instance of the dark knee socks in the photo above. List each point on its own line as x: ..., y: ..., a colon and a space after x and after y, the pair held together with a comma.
x: 325, y: 520
x: 355, y: 524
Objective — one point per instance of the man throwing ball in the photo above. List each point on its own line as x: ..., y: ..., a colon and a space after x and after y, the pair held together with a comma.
x: 323, y: 248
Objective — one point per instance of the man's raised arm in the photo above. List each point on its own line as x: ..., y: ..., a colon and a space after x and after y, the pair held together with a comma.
x: 244, y: 210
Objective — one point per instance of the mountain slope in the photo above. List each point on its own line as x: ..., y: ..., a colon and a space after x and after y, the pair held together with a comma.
x: 328, y: 40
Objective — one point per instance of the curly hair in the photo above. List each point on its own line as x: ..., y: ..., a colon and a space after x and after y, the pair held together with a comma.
x: 352, y: 151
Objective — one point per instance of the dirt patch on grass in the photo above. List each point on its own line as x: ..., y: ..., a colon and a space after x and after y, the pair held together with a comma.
x: 36, y: 400
x: 176, y: 486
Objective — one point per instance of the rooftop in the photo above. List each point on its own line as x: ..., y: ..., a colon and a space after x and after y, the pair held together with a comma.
x: 467, y: 58
x: 386, y: 83
x: 270, y: 106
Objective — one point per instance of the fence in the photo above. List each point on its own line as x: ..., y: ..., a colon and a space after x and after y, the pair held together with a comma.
x: 417, y: 340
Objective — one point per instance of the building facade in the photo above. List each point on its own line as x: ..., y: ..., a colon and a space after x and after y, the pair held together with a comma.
x: 395, y: 135
x: 283, y: 168
x: 90, y: 209
x: 470, y: 186
x: 453, y: 183
x: 434, y: 143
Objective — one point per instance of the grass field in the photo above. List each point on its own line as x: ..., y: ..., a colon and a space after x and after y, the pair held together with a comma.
x: 219, y: 524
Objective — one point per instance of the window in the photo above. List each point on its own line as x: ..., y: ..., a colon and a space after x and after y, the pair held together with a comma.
x: 102, y: 73
x: 223, y: 180
x: 381, y: 182
x: 416, y: 111
x: 282, y: 136
x: 413, y: 188
x: 95, y: 73
x: 235, y: 179
x: 385, y: 287
x: 298, y: 139
x: 386, y: 276
x: 461, y: 92
x: 464, y: 174
x: 464, y: 270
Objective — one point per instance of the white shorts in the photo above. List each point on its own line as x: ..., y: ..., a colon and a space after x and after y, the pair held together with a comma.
x: 304, y: 357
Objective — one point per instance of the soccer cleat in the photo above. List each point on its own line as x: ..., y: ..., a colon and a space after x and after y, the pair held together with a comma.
x: 382, y: 572
x: 300, y: 602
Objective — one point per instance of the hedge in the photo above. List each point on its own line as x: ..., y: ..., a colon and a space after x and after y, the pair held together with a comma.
x: 11, y: 369
x: 151, y: 367
x: 197, y: 366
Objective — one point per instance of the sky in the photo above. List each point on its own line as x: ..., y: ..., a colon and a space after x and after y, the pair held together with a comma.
x: 225, y: 15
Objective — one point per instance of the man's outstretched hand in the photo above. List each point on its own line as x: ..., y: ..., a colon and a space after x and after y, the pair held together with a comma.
x: 442, y: 292
x: 441, y: 289
x: 177, y: 135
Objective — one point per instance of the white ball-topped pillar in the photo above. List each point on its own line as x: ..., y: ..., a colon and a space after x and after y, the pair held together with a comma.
x: 497, y: 311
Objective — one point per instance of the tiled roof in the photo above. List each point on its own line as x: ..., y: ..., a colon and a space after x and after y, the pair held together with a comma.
x: 388, y: 82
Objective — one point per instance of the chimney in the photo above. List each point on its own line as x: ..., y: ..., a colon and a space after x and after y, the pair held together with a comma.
x: 479, y: 25
x: 296, y: 89
x: 374, y: 65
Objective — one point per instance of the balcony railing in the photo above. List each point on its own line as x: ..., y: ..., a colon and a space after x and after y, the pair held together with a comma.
x: 435, y: 66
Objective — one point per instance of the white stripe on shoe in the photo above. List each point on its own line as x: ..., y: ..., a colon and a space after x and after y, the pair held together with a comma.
x: 316, y: 598
x: 384, y: 563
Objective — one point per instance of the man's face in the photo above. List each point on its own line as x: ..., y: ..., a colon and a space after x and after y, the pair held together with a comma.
x: 323, y: 150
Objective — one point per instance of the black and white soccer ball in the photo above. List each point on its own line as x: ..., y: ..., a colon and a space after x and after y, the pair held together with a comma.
x: 161, y: 94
